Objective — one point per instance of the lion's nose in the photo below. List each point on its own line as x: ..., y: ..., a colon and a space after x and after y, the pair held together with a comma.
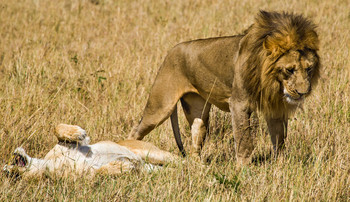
x: 303, y: 92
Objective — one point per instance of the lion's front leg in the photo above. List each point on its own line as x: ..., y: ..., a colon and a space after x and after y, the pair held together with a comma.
x: 278, y: 132
x: 244, y: 139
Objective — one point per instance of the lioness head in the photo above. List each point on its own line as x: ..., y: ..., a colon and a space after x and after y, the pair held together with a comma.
x: 19, y: 165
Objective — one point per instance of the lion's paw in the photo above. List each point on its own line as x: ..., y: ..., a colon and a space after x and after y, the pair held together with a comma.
x: 71, y: 133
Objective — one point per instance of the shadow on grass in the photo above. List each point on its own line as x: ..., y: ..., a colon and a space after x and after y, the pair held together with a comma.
x: 261, y: 159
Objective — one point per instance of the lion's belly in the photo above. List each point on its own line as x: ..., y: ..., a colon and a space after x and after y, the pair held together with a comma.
x: 217, y: 99
x: 91, y: 156
x: 224, y: 106
x: 213, y: 90
x: 106, y: 152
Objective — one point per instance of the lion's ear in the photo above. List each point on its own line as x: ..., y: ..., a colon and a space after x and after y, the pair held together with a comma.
x: 311, y: 40
x: 271, y: 46
x: 280, y: 43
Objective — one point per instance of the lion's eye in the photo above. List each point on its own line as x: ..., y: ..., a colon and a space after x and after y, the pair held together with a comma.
x: 290, y: 70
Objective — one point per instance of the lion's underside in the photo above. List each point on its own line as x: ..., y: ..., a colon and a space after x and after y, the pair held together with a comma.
x: 73, y: 155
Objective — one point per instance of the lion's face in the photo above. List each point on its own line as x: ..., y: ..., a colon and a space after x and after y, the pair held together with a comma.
x: 297, y: 68
x: 19, y: 165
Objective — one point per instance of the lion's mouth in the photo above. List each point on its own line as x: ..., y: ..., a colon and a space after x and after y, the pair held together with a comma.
x: 19, y: 160
x: 291, y: 99
x: 14, y: 169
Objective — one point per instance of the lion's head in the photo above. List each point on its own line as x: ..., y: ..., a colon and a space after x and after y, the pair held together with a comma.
x: 280, y: 61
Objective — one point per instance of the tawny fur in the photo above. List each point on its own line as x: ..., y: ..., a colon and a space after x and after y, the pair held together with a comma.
x: 74, y: 156
x: 272, y: 35
x: 271, y: 67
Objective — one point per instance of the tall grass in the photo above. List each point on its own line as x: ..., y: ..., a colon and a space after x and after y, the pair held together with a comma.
x: 92, y: 63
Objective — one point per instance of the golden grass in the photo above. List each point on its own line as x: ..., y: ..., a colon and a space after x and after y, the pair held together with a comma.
x: 92, y: 63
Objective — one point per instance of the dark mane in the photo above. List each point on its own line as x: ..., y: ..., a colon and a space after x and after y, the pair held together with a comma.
x: 272, y: 35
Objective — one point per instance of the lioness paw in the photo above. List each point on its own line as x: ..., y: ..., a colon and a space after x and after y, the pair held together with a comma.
x: 71, y: 133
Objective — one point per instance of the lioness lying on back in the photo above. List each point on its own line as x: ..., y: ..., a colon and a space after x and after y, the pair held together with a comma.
x: 73, y: 154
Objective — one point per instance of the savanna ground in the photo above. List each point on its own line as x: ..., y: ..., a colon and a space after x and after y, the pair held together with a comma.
x: 92, y: 63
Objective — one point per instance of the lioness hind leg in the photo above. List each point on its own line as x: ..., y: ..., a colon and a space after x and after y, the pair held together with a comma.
x: 71, y: 133
x: 115, y: 168
x: 149, y: 152
x: 196, y: 110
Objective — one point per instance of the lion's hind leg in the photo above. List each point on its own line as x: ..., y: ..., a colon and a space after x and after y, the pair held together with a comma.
x: 149, y: 152
x: 161, y: 103
x: 72, y: 134
x: 168, y: 88
x: 116, y: 168
x: 196, y: 110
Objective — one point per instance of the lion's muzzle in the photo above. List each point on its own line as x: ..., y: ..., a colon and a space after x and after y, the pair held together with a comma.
x: 293, y: 97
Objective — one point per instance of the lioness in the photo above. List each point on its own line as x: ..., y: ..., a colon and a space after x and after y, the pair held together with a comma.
x: 73, y: 154
x: 271, y: 67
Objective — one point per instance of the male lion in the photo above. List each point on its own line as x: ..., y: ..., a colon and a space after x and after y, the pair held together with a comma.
x: 73, y: 154
x: 271, y: 67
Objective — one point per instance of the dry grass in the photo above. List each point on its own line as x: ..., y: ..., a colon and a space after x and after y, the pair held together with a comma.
x: 92, y: 64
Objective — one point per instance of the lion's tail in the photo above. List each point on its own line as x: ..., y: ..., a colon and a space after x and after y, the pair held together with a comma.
x: 176, y: 131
